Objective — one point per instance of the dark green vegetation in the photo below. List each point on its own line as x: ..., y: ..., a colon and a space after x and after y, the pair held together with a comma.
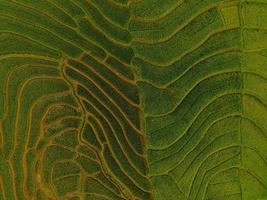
x: 133, y: 100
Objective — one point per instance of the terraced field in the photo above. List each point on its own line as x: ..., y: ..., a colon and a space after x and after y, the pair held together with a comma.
x: 133, y: 99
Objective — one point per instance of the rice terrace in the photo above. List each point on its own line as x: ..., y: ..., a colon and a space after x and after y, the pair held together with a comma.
x: 133, y: 99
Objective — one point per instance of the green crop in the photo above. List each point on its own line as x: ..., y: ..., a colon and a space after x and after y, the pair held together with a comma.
x: 133, y: 99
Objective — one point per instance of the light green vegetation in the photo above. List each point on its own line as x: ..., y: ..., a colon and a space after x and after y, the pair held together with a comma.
x: 133, y: 99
